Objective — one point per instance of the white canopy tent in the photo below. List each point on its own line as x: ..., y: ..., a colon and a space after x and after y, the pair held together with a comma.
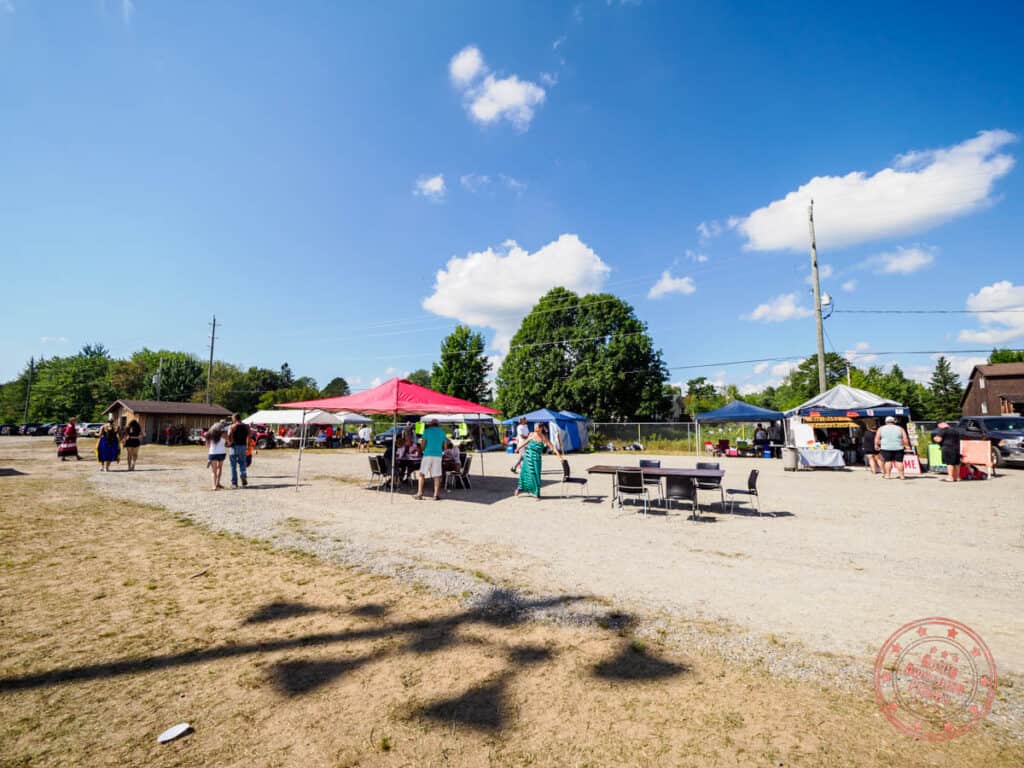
x: 311, y: 417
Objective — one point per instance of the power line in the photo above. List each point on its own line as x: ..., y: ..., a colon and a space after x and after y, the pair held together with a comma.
x: 925, y: 311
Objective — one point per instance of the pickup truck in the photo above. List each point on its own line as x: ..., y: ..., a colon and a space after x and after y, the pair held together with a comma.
x: 1005, y: 433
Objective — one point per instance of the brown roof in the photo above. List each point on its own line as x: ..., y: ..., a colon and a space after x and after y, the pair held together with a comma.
x: 176, y: 409
x: 999, y: 369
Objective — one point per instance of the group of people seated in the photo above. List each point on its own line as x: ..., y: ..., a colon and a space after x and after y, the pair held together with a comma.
x: 409, y: 451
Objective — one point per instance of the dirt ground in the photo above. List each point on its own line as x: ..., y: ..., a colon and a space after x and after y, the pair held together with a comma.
x: 120, y: 619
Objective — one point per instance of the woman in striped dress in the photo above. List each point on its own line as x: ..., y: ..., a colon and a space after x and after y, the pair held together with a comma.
x: 532, y: 450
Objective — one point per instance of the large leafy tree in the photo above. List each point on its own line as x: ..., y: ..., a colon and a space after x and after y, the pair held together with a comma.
x: 73, y: 386
x: 291, y: 394
x: 944, y: 392
x: 463, y: 368
x: 1006, y: 356
x: 701, y: 396
x: 420, y: 376
x: 587, y: 354
x: 336, y: 387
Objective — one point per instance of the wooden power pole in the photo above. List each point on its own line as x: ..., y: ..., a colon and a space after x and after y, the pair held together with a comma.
x: 209, y: 370
x: 817, y: 301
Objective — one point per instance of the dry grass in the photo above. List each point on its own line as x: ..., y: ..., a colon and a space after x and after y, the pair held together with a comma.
x: 277, y: 659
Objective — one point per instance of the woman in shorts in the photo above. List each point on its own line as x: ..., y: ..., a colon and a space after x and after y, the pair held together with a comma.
x: 216, y: 452
x: 867, y: 444
x: 132, y: 441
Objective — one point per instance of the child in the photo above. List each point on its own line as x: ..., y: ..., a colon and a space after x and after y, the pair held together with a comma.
x: 250, y: 449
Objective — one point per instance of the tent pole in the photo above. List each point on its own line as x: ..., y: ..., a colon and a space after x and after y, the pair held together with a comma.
x: 394, y: 454
x: 302, y: 443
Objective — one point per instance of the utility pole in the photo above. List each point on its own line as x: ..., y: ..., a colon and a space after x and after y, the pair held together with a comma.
x: 28, y: 389
x: 209, y: 370
x: 817, y: 301
x: 159, y: 378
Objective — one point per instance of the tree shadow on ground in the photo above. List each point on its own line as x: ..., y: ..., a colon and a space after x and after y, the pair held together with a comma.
x: 480, y: 707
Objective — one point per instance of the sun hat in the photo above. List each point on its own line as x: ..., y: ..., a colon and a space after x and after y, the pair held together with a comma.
x: 890, y: 419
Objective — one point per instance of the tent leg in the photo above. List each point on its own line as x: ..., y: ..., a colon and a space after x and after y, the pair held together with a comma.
x: 302, y: 444
x: 394, y: 453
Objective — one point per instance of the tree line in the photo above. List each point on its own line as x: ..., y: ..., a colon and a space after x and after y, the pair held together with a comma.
x: 589, y: 354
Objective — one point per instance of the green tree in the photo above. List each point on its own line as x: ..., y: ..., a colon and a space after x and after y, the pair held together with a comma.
x: 286, y: 395
x: 945, y: 392
x: 72, y: 386
x: 336, y: 387
x: 463, y: 368
x: 420, y: 376
x: 1006, y: 356
x: 181, y: 375
x: 286, y: 377
x: 587, y: 354
x: 701, y: 396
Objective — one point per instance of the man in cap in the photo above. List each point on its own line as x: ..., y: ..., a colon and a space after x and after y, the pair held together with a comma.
x: 892, y: 441
x: 432, y: 440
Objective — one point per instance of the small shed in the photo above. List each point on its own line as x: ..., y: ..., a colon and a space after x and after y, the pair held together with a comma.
x: 155, y: 416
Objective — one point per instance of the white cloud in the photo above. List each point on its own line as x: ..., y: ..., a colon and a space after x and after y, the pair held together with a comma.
x: 431, y: 187
x: 559, y: 42
x: 466, y: 65
x: 962, y: 366
x: 695, y: 257
x: 999, y: 327
x: 709, y: 229
x: 760, y: 368
x: 376, y: 381
x: 902, y: 261
x: 493, y: 98
x: 849, y: 286
x: 667, y: 284
x: 513, y: 184
x: 507, y: 98
x: 777, y: 372
x: 825, y: 271
x: 550, y: 79
x: 474, y: 182
x: 465, y: 288
x: 860, y: 354
x: 783, y: 307
x: 922, y: 190
x: 53, y: 339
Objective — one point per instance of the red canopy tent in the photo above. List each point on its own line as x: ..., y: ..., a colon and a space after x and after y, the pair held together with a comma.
x: 397, y: 397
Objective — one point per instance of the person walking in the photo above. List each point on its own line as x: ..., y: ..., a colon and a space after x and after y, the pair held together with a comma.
x: 250, y: 449
x: 216, y: 452
x: 892, y: 440
x: 108, y: 448
x: 532, y: 450
x: 132, y: 441
x: 949, y: 437
x: 432, y: 440
x: 365, y: 435
x: 522, y: 435
x: 238, y: 442
x: 69, y: 441
x: 867, y: 445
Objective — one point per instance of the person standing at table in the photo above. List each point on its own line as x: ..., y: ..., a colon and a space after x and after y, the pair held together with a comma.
x: 132, y: 441
x: 949, y: 438
x: 532, y: 450
x: 867, y: 445
x: 433, y: 440
x: 892, y: 441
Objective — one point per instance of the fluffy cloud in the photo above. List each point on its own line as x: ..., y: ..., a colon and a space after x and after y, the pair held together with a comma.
x: 962, y: 366
x: 513, y: 183
x: 709, y: 229
x: 466, y: 65
x: 550, y: 79
x: 667, y: 284
x: 999, y: 327
x: 431, y: 187
x: 491, y: 98
x: 860, y: 354
x: 474, y: 182
x: 695, y: 257
x: 53, y: 340
x: 921, y: 190
x: 783, y: 307
x: 849, y: 286
x: 902, y: 261
x: 497, y: 288
x: 777, y: 372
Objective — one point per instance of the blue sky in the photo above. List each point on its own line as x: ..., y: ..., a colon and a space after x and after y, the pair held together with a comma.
x: 340, y: 183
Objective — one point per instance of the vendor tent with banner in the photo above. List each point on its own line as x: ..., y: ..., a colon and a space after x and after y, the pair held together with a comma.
x: 395, y: 397
x: 849, y: 402
x: 569, y: 431
x: 735, y: 412
x: 285, y: 416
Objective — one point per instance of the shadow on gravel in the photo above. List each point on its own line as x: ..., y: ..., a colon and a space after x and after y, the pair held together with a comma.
x: 10, y: 472
x: 481, y: 707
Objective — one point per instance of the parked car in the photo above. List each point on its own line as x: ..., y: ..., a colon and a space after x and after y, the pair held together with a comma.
x: 385, y: 437
x: 27, y: 429
x: 89, y: 429
x: 8, y: 429
x: 1005, y: 433
x: 196, y: 436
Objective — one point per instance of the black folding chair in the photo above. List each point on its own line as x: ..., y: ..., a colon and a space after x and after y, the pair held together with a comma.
x: 651, y: 481
x: 379, y: 472
x: 750, y: 493
x: 568, y: 479
x: 683, y: 489
x: 711, y: 483
x: 630, y: 482
x: 462, y: 476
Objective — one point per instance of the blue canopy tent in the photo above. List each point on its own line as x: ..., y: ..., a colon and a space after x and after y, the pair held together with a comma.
x: 736, y: 411
x: 568, y: 428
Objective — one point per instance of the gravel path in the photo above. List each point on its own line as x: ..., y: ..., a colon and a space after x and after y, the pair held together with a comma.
x: 810, y: 594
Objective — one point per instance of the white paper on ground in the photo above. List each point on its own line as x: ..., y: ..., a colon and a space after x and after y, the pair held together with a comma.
x: 174, y: 732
